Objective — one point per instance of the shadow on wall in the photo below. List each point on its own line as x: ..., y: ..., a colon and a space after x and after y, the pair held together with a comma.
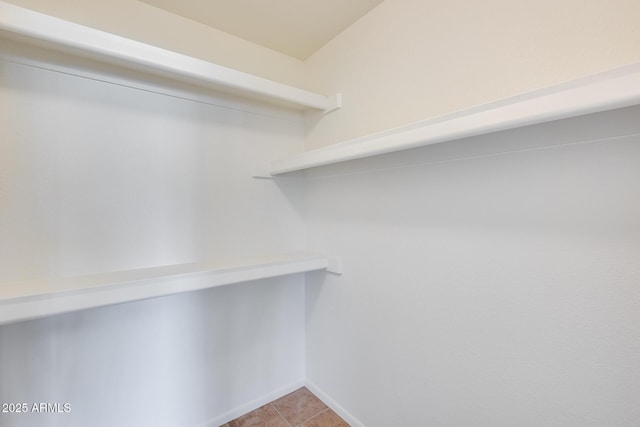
x: 120, y: 365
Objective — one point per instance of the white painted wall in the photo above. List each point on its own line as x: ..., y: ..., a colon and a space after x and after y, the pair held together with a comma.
x: 97, y: 177
x: 142, y: 22
x: 499, y: 290
x: 496, y: 290
x: 491, y: 281
x: 409, y: 60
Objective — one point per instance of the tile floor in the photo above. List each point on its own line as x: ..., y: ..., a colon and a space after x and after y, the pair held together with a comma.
x: 298, y: 409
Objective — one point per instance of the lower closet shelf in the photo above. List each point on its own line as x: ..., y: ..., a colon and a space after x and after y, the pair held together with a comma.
x: 29, y: 300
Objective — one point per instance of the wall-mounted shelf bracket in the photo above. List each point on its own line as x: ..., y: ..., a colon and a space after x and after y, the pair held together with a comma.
x: 262, y: 170
x: 334, y: 103
x: 335, y: 265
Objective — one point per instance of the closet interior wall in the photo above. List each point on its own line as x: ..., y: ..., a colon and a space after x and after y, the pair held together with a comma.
x: 491, y: 280
x: 99, y: 177
x: 478, y: 288
x: 487, y: 281
x: 411, y: 60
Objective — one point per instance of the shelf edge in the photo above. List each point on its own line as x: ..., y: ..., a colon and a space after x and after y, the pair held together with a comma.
x: 110, y: 48
x: 613, y: 89
x: 138, y: 287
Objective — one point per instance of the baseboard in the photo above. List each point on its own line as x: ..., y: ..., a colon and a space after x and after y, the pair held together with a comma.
x: 254, y: 404
x: 350, y: 419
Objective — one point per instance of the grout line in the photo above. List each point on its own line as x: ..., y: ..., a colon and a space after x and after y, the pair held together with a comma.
x: 479, y: 156
x: 313, y: 416
x: 281, y: 416
x: 327, y: 408
x: 340, y: 411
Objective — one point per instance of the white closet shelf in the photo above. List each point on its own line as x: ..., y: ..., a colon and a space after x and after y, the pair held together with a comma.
x: 609, y: 90
x: 43, y: 30
x: 29, y: 300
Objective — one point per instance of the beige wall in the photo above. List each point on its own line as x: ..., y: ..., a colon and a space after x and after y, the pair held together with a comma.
x: 140, y: 21
x: 409, y: 60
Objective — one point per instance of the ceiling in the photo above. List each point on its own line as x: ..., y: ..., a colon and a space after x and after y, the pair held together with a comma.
x: 296, y: 28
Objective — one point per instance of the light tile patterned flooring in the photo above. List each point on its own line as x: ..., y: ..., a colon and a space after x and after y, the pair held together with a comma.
x: 298, y: 409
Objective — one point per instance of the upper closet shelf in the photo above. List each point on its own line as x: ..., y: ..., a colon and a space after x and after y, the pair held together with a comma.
x: 40, y: 29
x: 28, y: 300
x: 605, y: 91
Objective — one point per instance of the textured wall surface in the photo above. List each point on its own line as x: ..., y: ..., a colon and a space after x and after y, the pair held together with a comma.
x: 491, y: 281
